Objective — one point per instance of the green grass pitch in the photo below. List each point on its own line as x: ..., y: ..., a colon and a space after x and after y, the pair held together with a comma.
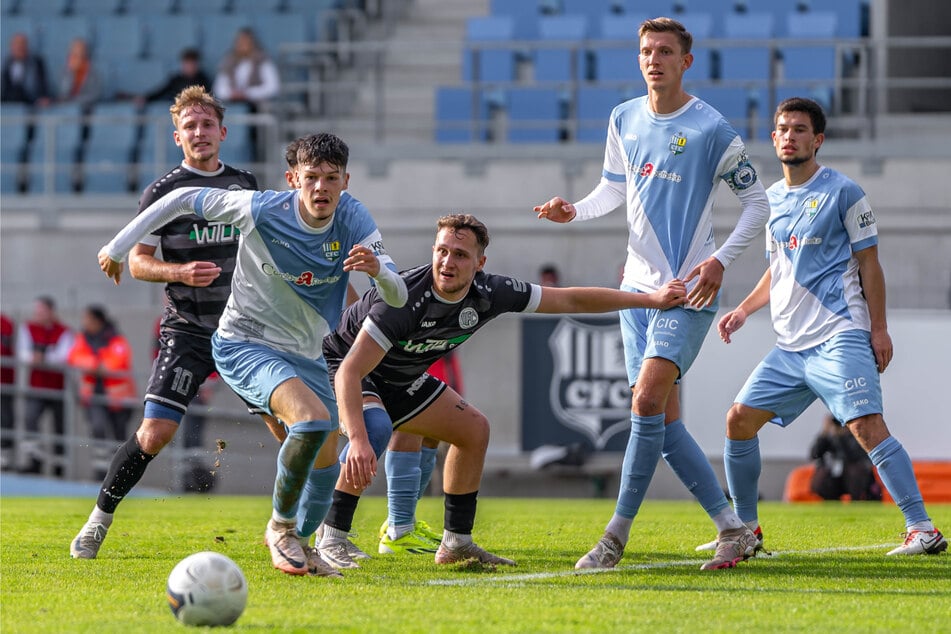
x: 828, y: 572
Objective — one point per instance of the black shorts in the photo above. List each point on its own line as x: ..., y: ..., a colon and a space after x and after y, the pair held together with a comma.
x: 402, y: 402
x: 183, y: 363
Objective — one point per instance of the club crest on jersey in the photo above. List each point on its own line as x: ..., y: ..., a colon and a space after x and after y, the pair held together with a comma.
x: 678, y: 143
x: 331, y: 250
x: 468, y: 317
x: 589, y: 390
x: 811, y: 207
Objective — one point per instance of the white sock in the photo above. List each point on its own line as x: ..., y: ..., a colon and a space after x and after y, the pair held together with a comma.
x: 926, y: 527
x: 98, y: 516
x: 620, y: 527
x: 455, y: 540
x: 752, y: 524
x: 727, y: 519
x: 333, y: 535
x: 397, y: 531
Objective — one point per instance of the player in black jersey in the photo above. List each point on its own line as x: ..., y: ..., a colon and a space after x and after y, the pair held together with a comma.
x: 198, y: 259
x: 378, y: 357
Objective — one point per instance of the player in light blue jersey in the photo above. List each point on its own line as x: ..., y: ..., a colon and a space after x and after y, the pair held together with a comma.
x: 288, y: 291
x: 826, y: 293
x: 665, y: 156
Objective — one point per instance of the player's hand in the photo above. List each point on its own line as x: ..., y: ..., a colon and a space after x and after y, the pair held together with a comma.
x: 557, y: 210
x: 360, y: 466
x: 730, y: 323
x: 362, y: 259
x: 882, y: 348
x: 198, y: 274
x: 110, y: 267
x: 710, y: 274
x: 673, y: 293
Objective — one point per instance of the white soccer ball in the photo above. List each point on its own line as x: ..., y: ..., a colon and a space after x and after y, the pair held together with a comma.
x: 207, y: 588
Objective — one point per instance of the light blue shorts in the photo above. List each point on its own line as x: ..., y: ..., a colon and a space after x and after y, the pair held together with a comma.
x: 841, y: 372
x: 254, y: 371
x: 675, y: 334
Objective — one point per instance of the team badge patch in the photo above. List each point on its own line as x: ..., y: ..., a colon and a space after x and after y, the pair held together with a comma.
x: 331, y: 250
x: 810, y: 207
x: 468, y: 318
x: 678, y: 143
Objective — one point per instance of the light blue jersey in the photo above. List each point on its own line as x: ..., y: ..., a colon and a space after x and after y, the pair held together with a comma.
x: 671, y: 166
x: 813, y: 231
x: 298, y: 268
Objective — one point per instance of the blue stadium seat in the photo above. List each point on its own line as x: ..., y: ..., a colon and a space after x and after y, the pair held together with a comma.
x: 700, y: 25
x: 455, y: 118
x: 148, y: 7
x: 594, y: 10
x: 523, y: 13
x: 819, y: 93
x: 58, y: 34
x: 273, y: 29
x: 755, y: 25
x: 850, y: 21
x: 201, y: 7
x: 109, y: 149
x: 561, y: 64
x: 56, y: 143
x: 157, y: 152
x: 13, y: 139
x: 747, y: 62
x: 534, y: 115
x: 809, y: 62
x: 237, y: 148
x: 592, y: 110
x: 261, y: 7
x: 95, y: 8
x: 42, y: 8
x: 167, y: 35
x: 618, y: 63
x: 488, y: 65
x: 732, y: 103
x: 118, y: 37
x: 218, y: 36
x: 811, y: 24
x: 137, y: 76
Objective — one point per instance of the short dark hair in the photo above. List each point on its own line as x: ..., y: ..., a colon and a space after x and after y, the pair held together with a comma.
x: 460, y: 222
x: 322, y: 147
x: 191, y: 54
x: 47, y: 301
x: 290, y: 153
x: 667, y: 25
x: 801, y: 104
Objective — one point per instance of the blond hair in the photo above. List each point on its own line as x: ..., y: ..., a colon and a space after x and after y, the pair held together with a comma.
x: 196, y: 96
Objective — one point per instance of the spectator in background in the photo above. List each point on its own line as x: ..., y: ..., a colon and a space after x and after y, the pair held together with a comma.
x: 7, y: 380
x: 190, y: 73
x: 247, y: 73
x: 842, y: 466
x: 43, y: 343
x: 80, y: 82
x: 107, y: 390
x: 24, y: 75
x: 548, y: 275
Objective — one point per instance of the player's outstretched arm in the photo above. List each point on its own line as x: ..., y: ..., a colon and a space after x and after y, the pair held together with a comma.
x: 392, y: 287
x: 364, y: 355
x: 145, y: 267
x: 734, y: 320
x: 602, y: 300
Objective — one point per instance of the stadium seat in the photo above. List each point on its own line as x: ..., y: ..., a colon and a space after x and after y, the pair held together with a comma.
x: 813, y: 25
x: 13, y: 138
x: 534, y: 115
x: 733, y: 103
x: 58, y: 34
x: 202, y: 7
x: 217, y: 37
x: 273, y: 29
x: 524, y: 15
x: 168, y: 35
x: 118, y: 37
x: 618, y: 63
x: 850, y: 22
x: 592, y: 110
x: 148, y: 7
x: 42, y: 8
x: 95, y: 8
x: 261, y: 7
x: 700, y: 25
x: 56, y: 144
x: 594, y: 10
x: 455, y: 119
x: 488, y: 65
x: 109, y: 148
x: 798, y: 485
x: 237, y: 148
x: 157, y: 152
x: 137, y: 76
x: 561, y: 64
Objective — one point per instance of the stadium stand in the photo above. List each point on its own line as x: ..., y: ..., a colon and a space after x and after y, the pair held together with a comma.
x: 561, y: 64
x: 455, y: 120
x: 534, y: 115
x: 13, y: 141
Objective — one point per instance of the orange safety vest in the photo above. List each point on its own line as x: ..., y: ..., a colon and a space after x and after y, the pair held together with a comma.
x: 114, y: 357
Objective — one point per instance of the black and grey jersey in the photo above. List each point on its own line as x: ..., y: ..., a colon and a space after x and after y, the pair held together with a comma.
x: 189, y: 239
x: 427, y: 327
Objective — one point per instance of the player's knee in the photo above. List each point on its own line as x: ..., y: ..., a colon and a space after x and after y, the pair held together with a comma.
x: 646, y: 403
x: 154, y: 433
x: 478, y: 432
x: 740, y: 423
x: 869, y: 430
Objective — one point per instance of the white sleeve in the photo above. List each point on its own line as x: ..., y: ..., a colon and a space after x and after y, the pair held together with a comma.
x: 752, y: 221
x: 60, y: 352
x: 24, y: 344
x: 270, y: 84
x: 178, y: 202
x: 391, y: 286
x: 603, y: 199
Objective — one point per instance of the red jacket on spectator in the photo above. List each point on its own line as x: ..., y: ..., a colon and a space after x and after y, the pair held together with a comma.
x: 6, y: 349
x: 53, y: 342
x: 113, y: 360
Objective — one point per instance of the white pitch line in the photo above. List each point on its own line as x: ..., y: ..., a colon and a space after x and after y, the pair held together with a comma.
x: 535, y: 576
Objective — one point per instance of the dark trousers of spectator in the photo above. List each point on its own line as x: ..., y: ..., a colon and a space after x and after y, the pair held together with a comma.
x: 36, y: 455
x: 7, y: 445
x: 106, y: 425
x: 857, y: 480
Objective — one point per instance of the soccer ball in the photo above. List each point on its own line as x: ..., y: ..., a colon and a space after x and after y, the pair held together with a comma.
x: 207, y: 588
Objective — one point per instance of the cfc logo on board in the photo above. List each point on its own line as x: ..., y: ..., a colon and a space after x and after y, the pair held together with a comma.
x: 331, y: 250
